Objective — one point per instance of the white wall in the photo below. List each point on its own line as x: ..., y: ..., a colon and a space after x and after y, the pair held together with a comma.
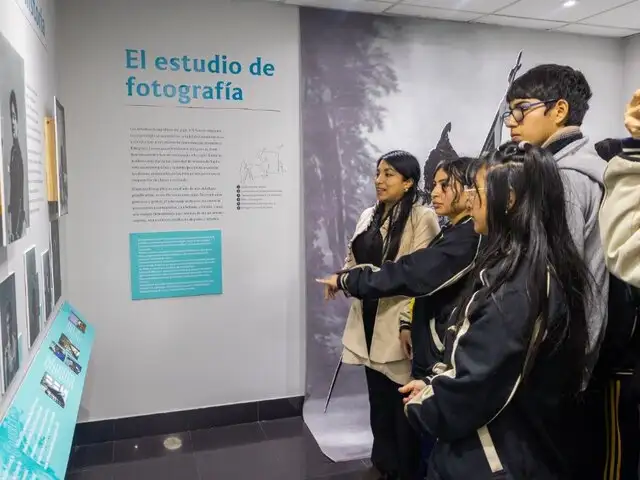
x: 38, y: 53
x: 165, y: 355
x: 631, y: 67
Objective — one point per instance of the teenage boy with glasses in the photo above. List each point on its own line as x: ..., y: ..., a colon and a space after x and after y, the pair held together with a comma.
x: 547, y: 105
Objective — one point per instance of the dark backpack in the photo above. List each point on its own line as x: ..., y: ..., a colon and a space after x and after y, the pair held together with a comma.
x: 620, y: 349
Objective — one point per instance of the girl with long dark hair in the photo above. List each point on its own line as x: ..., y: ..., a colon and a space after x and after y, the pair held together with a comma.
x: 397, y: 225
x: 515, y: 357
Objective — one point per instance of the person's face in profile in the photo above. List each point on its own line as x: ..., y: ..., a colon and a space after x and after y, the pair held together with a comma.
x: 14, y: 120
x: 477, y: 202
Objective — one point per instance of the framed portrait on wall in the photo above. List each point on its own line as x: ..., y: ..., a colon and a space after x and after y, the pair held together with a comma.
x: 61, y: 158
x: 13, y: 138
x: 32, y: 289
x: 47, y: 285
x: 9, y: 330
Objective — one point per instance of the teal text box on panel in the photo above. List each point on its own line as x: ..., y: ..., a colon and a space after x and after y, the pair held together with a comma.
x: 37, y: 431
x: 175, y: 264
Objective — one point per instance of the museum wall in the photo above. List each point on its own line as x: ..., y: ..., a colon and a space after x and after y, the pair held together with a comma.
x: 28, y: 270
x: 237, y: 142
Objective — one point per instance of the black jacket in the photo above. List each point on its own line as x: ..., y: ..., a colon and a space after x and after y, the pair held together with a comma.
x: 489, y: 422
x: 434, y: 275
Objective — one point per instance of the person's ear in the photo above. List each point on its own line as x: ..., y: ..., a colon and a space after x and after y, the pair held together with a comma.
x: 512, y: 200
x: 407, y: 185
x: 560, y: 112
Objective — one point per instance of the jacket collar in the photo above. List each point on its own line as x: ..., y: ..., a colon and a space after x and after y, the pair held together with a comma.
x: 562, y: 138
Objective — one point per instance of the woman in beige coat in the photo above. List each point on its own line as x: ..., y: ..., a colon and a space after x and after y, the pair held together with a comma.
x: 620, y: 212
x: 397, y: 225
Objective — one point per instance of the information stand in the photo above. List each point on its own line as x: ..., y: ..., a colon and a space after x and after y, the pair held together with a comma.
x: 37, y: 430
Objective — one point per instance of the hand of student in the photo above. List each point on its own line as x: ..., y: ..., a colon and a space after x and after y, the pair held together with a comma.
x: 330, y: 286
x: 405, y: 341
x: 412, y: 389
x: 632, y: 116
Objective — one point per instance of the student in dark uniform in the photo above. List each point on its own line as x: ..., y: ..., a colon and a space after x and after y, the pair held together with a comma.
x: 516, y: 355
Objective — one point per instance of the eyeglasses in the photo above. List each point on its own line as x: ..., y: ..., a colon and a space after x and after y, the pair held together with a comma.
x: 473, y: 191
x: 518, y: 113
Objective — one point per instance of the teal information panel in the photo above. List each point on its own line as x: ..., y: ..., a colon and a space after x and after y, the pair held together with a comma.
x: 37, y: 431
x: 176, y: 264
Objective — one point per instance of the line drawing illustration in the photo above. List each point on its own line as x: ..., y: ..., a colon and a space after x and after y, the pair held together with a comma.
x: 268, y: 163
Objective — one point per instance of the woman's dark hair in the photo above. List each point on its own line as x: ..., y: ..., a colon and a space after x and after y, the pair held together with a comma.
x: 456, y: 169
x: 534, y: 229
x: 408, y: 166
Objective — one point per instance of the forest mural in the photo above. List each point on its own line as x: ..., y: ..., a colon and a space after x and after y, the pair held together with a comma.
x: 345, y: 72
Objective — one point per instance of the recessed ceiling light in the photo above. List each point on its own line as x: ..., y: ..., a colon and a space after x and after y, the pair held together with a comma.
x: 570, y: 3
x: 172, y: 443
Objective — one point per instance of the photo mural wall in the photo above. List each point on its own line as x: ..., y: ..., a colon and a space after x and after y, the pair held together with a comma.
x: 372, y: 84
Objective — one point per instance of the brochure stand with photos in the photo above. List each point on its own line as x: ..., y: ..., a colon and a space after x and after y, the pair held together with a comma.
x: 37, y: 430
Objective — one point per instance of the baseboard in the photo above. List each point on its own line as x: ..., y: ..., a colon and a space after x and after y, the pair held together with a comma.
x: 186, y: 420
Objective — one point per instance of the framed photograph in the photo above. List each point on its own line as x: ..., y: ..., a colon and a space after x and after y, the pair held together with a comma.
x: 13, y: 138
x: 9, y: 330
x: 32, y: 286
x: 61, y: 158
x: 54, y: 247
x: 47, y: 285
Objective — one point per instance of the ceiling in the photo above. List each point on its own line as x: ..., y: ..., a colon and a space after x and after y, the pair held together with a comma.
x: 608, y: 18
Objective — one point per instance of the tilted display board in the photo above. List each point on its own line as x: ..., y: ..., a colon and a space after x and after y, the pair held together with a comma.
x: 37, y: 431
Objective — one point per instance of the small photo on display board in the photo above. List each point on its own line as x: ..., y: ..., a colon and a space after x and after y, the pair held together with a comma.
x: 47, y: 285
x: 9, y: 330
x: 67, y: 345
x: 58, y: 351
x: 13, y: 136
x: 61, y: 158
x: 54, y: 389
x: 55, y: 261
x: 73, y: 365
x: 79, y: 324
x: 32, y: 285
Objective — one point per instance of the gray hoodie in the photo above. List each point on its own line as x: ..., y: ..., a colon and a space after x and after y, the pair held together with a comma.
x: 583, y: 173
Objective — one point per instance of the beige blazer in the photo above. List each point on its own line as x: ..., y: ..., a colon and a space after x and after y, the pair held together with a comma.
x: 386, y: 355
x: 620, y: 217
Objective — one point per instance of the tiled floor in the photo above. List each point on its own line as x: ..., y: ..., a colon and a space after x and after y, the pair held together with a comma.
x: 275, y: 450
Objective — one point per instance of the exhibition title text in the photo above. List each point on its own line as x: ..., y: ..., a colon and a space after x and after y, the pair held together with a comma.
x: 218, y: 89
x: 36, y: 13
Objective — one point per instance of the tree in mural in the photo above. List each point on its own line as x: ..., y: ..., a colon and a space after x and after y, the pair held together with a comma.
x: 345, y: 71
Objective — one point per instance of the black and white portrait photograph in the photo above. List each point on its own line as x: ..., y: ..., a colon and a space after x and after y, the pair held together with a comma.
x: 9, y: 330
x: 55, y: 261
x: 61, y: 158
x: 32, y: 285
x: 47, y: 285
x: 15, y: 202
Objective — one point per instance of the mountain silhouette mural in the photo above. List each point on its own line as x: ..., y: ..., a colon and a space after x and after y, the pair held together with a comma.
x: 442, y: 151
